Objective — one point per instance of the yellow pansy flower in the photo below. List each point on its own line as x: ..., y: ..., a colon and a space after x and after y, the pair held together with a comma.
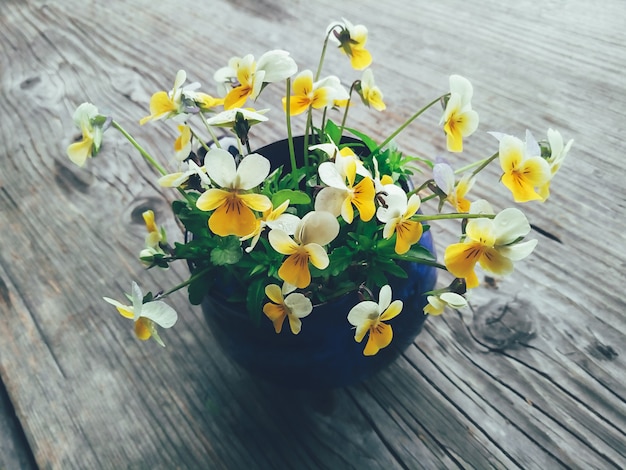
x: 232, y: 201
x: 523, y: 173
x: 492, y: 243
x: 182, y: 144
x: 368, y: 317
x: 316, y: 229
x: 341, y: 194
x: 167, y: 104
x: 437, y: 303
x: 292, y: 306
x: 244, y: 78
x: 558, y: 152
x: 396, y: 214
x: 84, y: 118
x: 459, y: 120
x: 320, y: 94
x: 146, y: 316
x: 273, y: 218
x: 443, y: 174
x: 370, y: 93
x: 352, y: 39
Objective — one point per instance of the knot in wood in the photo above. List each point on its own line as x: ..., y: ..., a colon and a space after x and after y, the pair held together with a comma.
x: 502, y: 325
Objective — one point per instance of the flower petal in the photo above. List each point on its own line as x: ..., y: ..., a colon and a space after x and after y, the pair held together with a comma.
x: 221, y: 168
x: 143, y: 329
x: 319, y: 227
x: 160, y: 313
x: 330, y: 200
x: 392, y: 311
x: 295, y: 269
x: 277, y: 314
x: 317, y: 255
x: 232, y: 218
x: 212, y: 199
x: 274, y: 293
x: 299, y: 305
x: 252, y: 171
x: 509, y: 225
x: 282, y: 242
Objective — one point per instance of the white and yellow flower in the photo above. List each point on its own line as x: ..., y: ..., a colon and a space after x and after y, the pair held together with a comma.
x: 163, y: 104
x: 369, y: 317
x: 146, y: 316
x: 396, y: 214
x: 244, y: 78
x: 155, y: 234
x: 370, y: 93
x: 524, y: 171
x: 179, y: 178
x: 438, y: 303
x: 286, y: 304
x: 274, y: 219
x: 341, y: 192
x: 182, y: 144
x: 352, y: 39
x: 229, y: 117
x: 232, y: 201
x: 308, y: 94
x: 443, y: 174
x: 492, y: 243
x: 315, y: 230
x: 85, y: 119
x: 459, y: 119
x: 558, y: 152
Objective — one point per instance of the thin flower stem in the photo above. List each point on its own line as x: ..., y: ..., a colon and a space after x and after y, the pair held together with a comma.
x: 479, y: 165
x: 455, y: 215
x: 345, y: 115
x: 195, y: 276
x: 292, y: 152
x: 210, y: 131
x: 141, y: 150
x: 323, y: 54
x: 199, y: 139
x: 427, y: 198
x: 147, y: 156
x: 309, y: 123
x: 409, y: 121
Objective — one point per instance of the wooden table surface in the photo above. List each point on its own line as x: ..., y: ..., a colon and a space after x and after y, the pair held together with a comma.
x: 542, y: 389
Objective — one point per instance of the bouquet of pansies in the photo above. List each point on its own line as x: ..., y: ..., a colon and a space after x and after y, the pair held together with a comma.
x: 341, y: 216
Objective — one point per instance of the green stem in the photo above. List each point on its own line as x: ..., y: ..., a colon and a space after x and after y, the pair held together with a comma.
x: 200, y: 140
x: 141, y: 150
x: 481, y: 164
x: 345, y: 115
x: 292, y: 152
x: 422, y: 261
x: 323, y: 54
x: 210, y: 131
x: 408, y: 121
x: 455, y: 215
x: 192, y: 278
x: 309, y: 123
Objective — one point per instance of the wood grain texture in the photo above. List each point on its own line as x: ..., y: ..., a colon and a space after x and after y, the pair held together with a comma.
x: 538, y: 384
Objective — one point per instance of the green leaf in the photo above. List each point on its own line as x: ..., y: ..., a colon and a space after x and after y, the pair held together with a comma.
x: 255, y: 299
x: 367, y: 140
x: 332, y: 130
x: 227, y: 251
x: 340, y: 259
x: 417, y: 254
x: 295, y: 197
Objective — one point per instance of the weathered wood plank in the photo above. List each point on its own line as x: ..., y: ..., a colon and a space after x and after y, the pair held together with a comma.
x: 543, y: 388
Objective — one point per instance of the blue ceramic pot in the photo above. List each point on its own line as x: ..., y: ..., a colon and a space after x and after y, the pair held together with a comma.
x: 324, y: 354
